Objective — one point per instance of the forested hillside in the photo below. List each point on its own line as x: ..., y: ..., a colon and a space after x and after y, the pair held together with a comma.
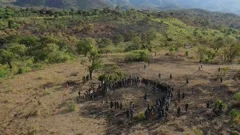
x: 80, y: 4
x: 50, y: 36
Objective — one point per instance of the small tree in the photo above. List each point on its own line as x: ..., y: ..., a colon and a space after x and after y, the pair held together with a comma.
x: 231, y: 52
x: 89, y: 49
x: 6, y: 57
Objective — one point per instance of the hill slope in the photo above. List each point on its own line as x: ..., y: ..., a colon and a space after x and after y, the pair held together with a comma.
x: 82, y: 4
x: 229, y: 6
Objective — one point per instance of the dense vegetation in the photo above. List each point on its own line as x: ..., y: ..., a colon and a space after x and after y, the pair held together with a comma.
x: 30, y: 38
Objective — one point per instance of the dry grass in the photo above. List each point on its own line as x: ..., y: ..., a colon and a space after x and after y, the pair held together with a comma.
x: 25, y: 102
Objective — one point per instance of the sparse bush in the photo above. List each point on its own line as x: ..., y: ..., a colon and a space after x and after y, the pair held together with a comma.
x: 237, y: 97
x: 35, y: 131
x: 197, y: 131
x: 140, y: 117
x: 235, y: 116
x: 72, y: 106
x: 220, y: 102
x: 138, y: 55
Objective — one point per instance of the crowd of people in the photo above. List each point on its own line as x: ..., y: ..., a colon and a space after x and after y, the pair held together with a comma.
x: 157, y: 110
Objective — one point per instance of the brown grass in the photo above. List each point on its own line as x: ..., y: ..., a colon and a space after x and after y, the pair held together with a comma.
x: 25, y: 95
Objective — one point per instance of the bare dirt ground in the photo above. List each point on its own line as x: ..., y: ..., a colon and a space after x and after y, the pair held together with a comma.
x: 36, y: 102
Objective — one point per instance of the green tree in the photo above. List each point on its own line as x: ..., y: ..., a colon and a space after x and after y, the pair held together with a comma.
x: 6, y: 57
x: 18, y: 50
x: 86, y: 46
x: 147, y: 38
x: 89, y: 49
x: 105, y: 42
x: 10, y: 24
x: 230, y: 52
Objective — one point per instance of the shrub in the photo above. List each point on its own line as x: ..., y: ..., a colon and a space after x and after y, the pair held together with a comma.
x: 187, y: 53
x: 138, y: 55
x: 206, y: 55
x: 237, y: 97
x: 111, y: 49
x: 4, y: 71
x: 234, y: 114
x: 112, y: 75
x: 72, y: 106
x: 197, y: 131
x: 219, y: 102
x: 140, y: 117
x: 57, y: 57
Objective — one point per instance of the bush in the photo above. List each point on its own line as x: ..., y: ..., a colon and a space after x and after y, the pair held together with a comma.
x: 57, y: 57
x: 206, y: 55
x: 72, y: 106
x: 237, y: 97
x: 4, y: 71
x: 235, y: 116
x: 140, y: 117
x: 138, y: 55
x: 111, y: 49
x: 112, y: 75
x: 219, y: 102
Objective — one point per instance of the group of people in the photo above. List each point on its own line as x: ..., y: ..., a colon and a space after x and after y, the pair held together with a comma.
x: 162, y: 104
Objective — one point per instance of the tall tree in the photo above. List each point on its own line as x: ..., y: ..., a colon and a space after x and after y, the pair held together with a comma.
x: 88, y: 48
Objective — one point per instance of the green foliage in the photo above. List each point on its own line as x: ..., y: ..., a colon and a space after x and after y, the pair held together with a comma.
x: 112, y: 75
x: 136, y: 44
x: 72, y: 106
x: 237, y: 97
x: 231, y: 52
x: 138, y: 55
x: 111, y: 49
x: 173, y: 49
x: 4, y: 71
x: 105, y: 42
x: 234, y: 114
x: 220, y: 102
x: 140, y: 117
x: 197, y: 131
x: 118, y: 39
x: 86, y: 46
x: 6, y: 57
x: 206, y: 55
x: 58, y: 57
